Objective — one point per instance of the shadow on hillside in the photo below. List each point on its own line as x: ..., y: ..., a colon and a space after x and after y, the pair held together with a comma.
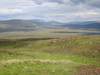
x: 84, y: 33
x: 34, y: 39
x: 27, y: 39
x: 14, y: 30
x: 64, y: 32
x: 92, y: 34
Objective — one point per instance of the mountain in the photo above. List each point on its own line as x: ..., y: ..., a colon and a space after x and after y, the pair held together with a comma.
x: 82, y: 23
x: 37, y: 24
x: 18, y: 22
x: 17, y: 25
x: 85, y: 25
x: 55, y: 23
x: 42, y: 22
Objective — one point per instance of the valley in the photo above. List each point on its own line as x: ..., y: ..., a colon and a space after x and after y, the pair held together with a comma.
x: 30, y: 48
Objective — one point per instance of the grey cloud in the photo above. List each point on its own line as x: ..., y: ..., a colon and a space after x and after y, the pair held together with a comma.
x: 94, y: 3
x: 52, y: 1
x: 76, y: 2
x: 57, y: 1
x: 39, y: 2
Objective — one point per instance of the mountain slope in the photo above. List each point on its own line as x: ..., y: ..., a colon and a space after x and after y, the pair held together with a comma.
x: 85, y: 26
x: 47, y: 22
x: 17, y: 25
x: 21, y: 23
x: 82, y: 23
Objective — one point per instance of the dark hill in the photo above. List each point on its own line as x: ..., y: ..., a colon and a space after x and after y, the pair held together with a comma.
x: 21, y: 23
x: 86, y: 26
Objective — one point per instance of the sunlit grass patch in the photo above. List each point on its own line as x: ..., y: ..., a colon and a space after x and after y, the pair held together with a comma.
x: 40, y: 67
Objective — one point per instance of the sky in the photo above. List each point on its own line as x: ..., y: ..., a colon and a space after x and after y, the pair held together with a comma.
x: 51, y: 10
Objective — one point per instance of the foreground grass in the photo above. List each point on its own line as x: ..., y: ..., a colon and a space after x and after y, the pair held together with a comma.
x: 64, y: 56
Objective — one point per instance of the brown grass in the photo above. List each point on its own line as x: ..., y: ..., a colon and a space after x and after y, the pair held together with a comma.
x: 14, y: 53
x: 7, y: 43
x: 95, y: 48
x: 63, y: 40
x: 87, y: 70
x: 9, y: 53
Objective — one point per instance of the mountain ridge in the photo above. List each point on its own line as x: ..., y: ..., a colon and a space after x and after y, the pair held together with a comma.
x: 19, y: 24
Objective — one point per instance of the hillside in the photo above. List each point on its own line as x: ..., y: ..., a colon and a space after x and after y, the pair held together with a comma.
x: 83, y: 23
x: 20, y: 23
x: 23, y: 25
x: 42, y: 22
x: 77, y: 55
x: 17, y: 25
x: 83, y: 26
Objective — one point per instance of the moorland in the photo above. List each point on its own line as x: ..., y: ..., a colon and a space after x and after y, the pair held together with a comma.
x: 28, y: 48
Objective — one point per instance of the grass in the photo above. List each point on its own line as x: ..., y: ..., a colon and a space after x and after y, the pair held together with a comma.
x: 36, y: 68
x: 65, y: 56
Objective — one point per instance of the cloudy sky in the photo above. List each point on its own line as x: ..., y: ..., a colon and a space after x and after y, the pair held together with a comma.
x: 57, y: 10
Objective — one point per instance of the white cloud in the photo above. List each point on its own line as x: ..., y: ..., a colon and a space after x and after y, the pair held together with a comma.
x: 10, y: 11
x: 88, y: 14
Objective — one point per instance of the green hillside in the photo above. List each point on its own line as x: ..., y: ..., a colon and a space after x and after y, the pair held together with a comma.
x: 76, y: 55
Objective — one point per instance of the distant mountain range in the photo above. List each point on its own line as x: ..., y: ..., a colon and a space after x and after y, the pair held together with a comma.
x: 21, y: 23
x: 47, y: 22
x: 83, y: 25
x: 26, y: 25
x: 42, y: 22
x: 59, y: 23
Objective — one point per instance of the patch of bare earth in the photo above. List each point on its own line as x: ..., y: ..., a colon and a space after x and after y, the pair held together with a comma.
x: 9, y: 53
x: 14, y: 53
x: 87, y: 70
x: 63, y: 40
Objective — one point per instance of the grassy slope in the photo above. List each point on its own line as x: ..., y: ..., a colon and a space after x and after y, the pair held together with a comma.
x: 51, y: 57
